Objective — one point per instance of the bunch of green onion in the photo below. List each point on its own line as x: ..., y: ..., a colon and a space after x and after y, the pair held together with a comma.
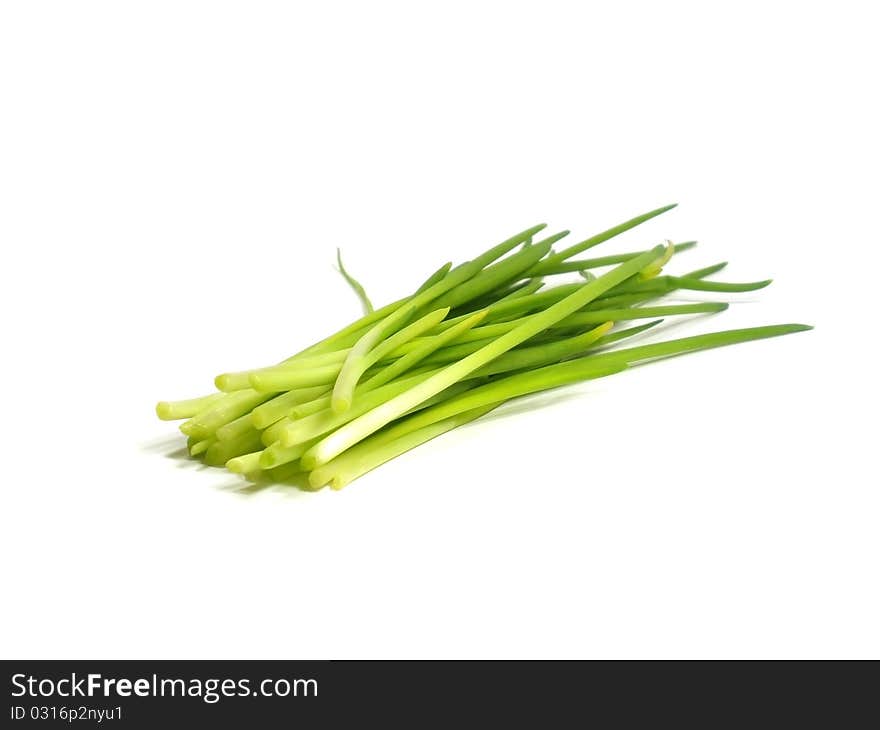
x: 470, y: 338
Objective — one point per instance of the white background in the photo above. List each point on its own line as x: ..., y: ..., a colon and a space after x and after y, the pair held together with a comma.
x: 174, y: 180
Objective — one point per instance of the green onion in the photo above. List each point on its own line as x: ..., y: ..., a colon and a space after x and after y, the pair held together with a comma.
x: 200, y: 447
x: 597, y: 263
x: 246, y: 464
x: 435, y: 277
x: 707, y: 271
x: 177, y: 409
x: 219, y: 452
x: 281, y: 405
x: 468, y: 339
x: 220, y: 412
x: 354, y: 284
x: 554, y: 259
x: 499, y: 273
